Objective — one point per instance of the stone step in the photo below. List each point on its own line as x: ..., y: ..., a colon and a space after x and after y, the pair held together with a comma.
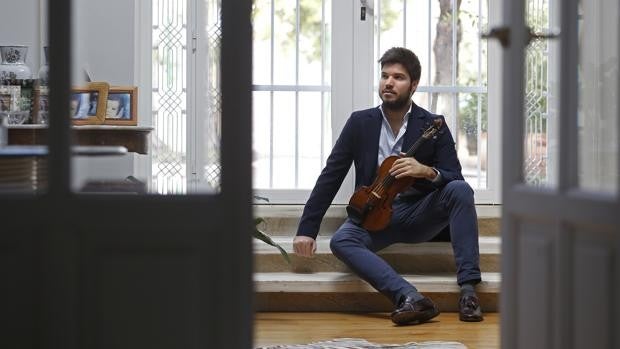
x: 323, y: 283
x: 424, y: 258
x: 282, y: 220
x: 336, y: 291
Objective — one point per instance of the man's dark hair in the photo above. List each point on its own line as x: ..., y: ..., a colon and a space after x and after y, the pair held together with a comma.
x: 405, y: 57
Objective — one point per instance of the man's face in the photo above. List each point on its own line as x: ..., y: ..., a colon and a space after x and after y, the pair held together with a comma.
x: 74, y: 106
x: 112, y: 108
x: 395, y: 86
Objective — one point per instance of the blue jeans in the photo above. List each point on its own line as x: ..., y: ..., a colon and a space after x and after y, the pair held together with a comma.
x: 414, y: 221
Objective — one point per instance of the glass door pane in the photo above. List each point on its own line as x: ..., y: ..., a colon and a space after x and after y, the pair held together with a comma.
x: 541, y: 67
x: 598, y: 96
x: 23, y: 98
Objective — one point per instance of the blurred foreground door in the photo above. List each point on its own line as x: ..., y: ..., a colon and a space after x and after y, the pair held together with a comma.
x: 132, y: 271
x: 561, y: 235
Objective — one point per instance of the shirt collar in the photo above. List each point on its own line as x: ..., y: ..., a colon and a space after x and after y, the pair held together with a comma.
x: 404, y: 116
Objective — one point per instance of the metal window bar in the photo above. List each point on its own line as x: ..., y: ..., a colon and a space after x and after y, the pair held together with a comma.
x: 455, y: 103
x: 323, y: 57
x: 429, y: 96
x: 378, y: 37
x: 479, y: 100
x: 405, y: 22
x: 271, y: 117
x: 297, y: 30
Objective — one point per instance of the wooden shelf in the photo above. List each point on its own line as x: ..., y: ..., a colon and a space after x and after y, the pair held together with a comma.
x: 134, y: 138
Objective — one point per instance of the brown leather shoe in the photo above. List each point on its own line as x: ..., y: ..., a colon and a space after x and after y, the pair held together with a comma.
x: 410, y: 312
x: 469, y: 309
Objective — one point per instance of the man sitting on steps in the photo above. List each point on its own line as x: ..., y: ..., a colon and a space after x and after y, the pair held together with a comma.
x: 439, y: 196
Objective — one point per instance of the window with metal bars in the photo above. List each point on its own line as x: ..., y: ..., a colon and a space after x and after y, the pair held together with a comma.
x: 292, y: 92
x: 186, y: 96
x: 292, y: 98
x: 445, y: 35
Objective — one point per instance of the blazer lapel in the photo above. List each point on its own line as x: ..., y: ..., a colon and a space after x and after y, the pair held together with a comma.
x: 415, y: 127
x: 372, y: 133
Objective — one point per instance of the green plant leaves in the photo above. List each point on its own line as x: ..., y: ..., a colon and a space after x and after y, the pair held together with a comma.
x: 259, y: 234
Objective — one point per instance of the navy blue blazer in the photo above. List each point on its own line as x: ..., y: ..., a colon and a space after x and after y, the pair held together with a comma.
x: 358, y: 143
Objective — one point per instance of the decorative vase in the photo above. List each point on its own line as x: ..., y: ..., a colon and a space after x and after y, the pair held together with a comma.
x: 44, y: 70
x: 13, y: 64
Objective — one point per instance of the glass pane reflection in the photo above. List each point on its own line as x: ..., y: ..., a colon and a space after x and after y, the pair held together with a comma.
x: 598, y: 96
x: 23, y: 100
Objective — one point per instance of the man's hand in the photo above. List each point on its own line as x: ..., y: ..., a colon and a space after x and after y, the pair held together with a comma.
x: 410, y: 167
x: 304, y: 246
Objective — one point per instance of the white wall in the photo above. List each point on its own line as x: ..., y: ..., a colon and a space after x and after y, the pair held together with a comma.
x: 103, y: 35
x: 20, y: 25
x: 105, y: 40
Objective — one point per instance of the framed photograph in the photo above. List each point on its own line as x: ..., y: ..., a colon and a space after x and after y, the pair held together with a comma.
x: 88, y: 104
x: 40, y: 105
x: 10, y: 96
x: 16, y: 98
x: 122, y: 106
x: 5, y: 102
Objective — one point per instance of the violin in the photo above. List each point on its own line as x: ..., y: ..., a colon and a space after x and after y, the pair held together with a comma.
x: 371, y: 206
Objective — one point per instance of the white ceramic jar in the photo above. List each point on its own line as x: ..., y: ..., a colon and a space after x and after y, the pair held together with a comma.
x: 44, y: 70
x: 13, y: 64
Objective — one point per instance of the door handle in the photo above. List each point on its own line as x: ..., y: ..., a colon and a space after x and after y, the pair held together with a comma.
x: 503, y: 35
x: 500, y: 33
x: 551, y: 34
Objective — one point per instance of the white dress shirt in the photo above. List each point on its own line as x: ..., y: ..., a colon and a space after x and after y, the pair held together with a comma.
x: 390, y: 144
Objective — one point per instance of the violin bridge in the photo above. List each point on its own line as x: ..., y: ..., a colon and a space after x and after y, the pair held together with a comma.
x: 376, y: 195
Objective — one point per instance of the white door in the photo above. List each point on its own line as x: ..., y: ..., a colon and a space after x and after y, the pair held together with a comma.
x: 561, y: 236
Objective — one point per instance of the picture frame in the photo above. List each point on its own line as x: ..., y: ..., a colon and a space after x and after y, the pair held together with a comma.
x: 16, y: 100
x: 40, y: 105
x: 122, y: 106
x: 88, y: 104
x: 10, y: 96
x: 5, y: 102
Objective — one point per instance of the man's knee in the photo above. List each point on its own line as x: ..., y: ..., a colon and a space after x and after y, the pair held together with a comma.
x: 343, y: 239
x: 460, y: 191
x: 336, y: 243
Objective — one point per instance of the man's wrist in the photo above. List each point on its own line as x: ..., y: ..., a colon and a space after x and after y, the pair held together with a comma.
x: 431, y: 174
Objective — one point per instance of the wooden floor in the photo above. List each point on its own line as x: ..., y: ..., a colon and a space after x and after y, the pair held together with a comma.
x: 298, y: 328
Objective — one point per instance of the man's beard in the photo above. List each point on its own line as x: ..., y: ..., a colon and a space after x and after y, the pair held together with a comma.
x: 399, y: 103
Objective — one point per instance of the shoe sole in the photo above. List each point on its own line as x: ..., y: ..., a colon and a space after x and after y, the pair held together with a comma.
x: 407, y: 318
x: 471, y: 319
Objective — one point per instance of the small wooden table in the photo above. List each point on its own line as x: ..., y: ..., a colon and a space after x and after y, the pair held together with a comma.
x: 134, y: 138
